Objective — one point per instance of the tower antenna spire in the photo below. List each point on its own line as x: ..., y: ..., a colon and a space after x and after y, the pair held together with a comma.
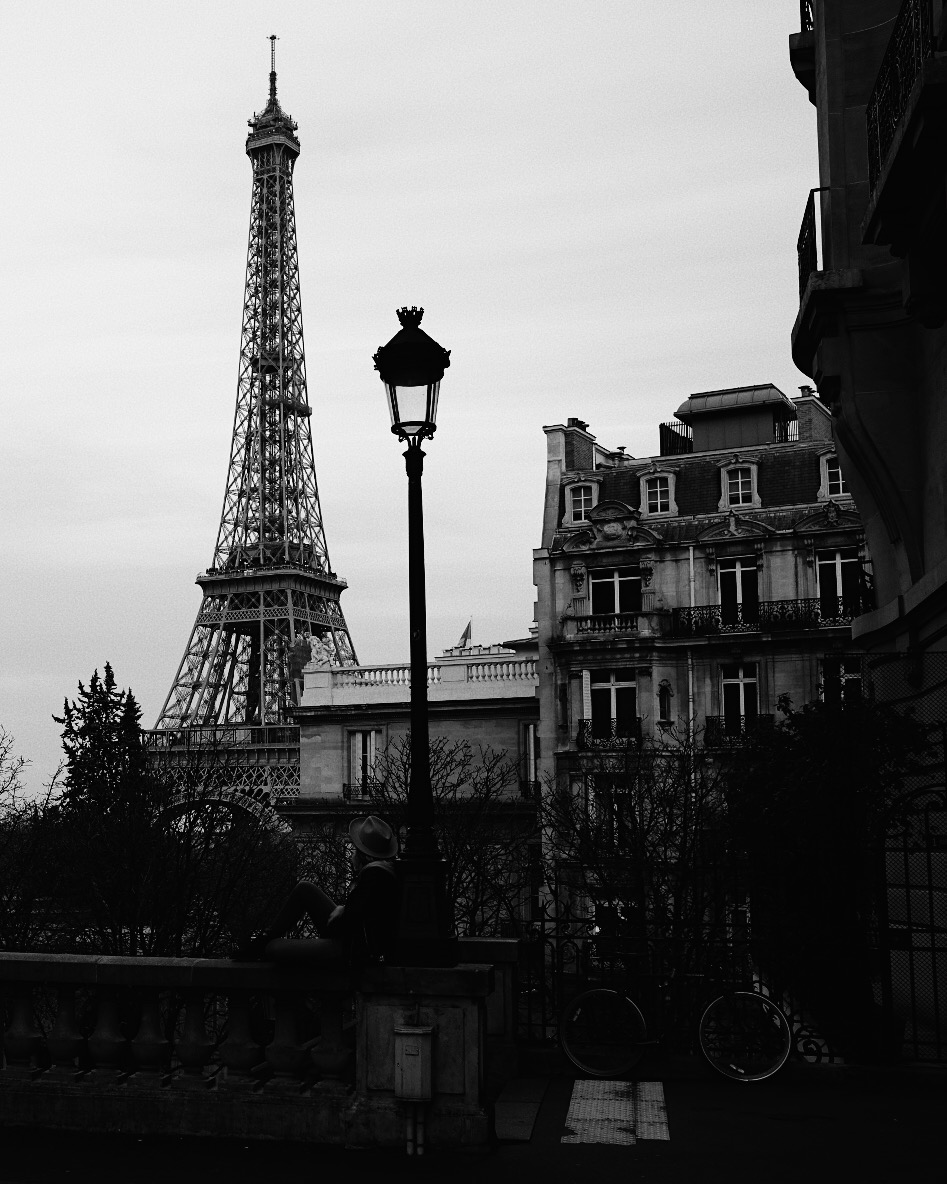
x: 273, y: 40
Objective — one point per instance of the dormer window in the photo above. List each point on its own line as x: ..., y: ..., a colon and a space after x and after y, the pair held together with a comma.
x: 832, y: 483
x: 581, y: 497
x: 738, y: 489
x: 657, y: 493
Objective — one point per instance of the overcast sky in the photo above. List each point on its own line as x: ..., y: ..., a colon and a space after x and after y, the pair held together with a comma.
x: 596, y: 202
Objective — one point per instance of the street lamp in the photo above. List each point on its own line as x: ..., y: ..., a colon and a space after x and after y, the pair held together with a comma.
x: 411, y: 366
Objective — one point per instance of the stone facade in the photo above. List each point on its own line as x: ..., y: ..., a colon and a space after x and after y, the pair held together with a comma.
x: 486, y: 695
x: 692, y: 589
x: 871, y: 324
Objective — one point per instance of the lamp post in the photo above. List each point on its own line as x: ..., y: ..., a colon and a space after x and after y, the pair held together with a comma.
x: 411, y: 367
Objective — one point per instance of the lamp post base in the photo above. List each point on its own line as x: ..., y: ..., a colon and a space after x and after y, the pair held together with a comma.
x: 424, y: 922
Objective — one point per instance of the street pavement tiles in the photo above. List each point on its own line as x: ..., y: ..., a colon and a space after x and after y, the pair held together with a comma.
x: 616, y: 1112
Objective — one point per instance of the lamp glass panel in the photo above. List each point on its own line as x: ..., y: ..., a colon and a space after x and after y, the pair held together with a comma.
x: 412, y: 407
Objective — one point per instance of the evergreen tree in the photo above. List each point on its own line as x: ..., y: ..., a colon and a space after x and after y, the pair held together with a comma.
x: 102, y: 741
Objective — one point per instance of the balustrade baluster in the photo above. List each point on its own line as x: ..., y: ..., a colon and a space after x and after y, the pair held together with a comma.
x: 65, y: 1042
x: 329, y: 1055
x: 284, y: 1054
x: 107, y: 1044
x: 194, y: 1048
x: 22, y: 1039
x: 239, y: 1052
x: 150, y: 1047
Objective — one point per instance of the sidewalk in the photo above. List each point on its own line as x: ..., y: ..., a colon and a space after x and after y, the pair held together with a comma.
x: 811, y: 1124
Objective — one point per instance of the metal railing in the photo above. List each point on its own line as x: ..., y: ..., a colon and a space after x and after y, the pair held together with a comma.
x: 609, y: 733
x: 675, y: 439
x: 769, y: 616
x: 607, y: 623
x: 911, y: 44
x: 786, y: 431
x: 216, y: 737
x: 733, y: 731
x: 807, y: 244
x: 361, y: 791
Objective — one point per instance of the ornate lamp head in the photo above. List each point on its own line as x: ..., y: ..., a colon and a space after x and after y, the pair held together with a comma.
x: 411, y: 366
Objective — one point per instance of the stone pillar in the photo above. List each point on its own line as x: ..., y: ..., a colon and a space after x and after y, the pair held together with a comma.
x: 453, y: 1001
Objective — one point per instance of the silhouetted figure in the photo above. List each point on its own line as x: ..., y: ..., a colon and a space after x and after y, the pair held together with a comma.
x: 361, y: 929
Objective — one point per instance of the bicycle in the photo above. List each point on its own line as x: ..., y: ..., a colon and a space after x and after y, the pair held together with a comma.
x: 741, y: 1034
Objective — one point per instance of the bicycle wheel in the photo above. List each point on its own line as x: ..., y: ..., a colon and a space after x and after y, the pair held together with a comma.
x: 602, y: 1033
x: 744, y: 1036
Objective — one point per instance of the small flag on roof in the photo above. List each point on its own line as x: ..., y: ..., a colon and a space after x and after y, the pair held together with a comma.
x: 464, y: 637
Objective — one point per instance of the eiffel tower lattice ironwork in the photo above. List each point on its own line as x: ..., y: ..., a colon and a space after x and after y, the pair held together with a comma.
x: 271, y: 599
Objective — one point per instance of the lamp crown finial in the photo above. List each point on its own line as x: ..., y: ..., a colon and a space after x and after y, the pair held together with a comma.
x: 410, y: 318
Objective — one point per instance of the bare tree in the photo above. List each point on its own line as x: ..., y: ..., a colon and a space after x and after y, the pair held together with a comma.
x: 483, y: 827
x: 633, y: 847
x: 28, y: 868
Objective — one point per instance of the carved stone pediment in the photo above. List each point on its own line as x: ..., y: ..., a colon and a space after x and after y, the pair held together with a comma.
x: 734, y: 527
x: 829, y: 517
x: 579, y: 540
x: 616, y: 524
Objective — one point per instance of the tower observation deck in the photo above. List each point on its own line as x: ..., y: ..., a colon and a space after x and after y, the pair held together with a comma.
x: 270, y: 597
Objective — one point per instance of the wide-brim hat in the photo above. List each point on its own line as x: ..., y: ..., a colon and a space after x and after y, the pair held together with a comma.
x: 373, y: 836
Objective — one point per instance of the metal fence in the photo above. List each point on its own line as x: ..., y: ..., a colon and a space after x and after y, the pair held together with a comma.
x: 911, y: 44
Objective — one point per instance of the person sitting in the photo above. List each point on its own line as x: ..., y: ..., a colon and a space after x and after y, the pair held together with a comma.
x: 360, y: 930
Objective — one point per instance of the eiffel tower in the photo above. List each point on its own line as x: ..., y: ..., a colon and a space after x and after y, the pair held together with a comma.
x: 271, y: 599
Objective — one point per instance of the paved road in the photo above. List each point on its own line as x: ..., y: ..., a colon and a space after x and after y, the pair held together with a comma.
x: 810, y: 1125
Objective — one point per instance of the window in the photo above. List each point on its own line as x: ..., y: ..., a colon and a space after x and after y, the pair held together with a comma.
x: 615, y: 590
x: 362, y: 759
x: 834, y: 479
x: 840, y: 582
x: 609, y: 805
x: 739, y: 693
x: 665, y: 695
x: 738, y: 582
x: 580, y: 502
x: 659, y: 494
x: 613, y: 696
x: 657, y: 491
x: 841, y: 679
x: 739, y: 487
x: 530, y: 757
x: 832, y: 482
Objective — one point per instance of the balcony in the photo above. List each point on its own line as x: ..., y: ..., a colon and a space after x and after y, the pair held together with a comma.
x: 911, y: 44
x: 607, y: 623
x: 597, y: 734
x: 364, y: 790
x: 769, y: 616
x: 726, y: 732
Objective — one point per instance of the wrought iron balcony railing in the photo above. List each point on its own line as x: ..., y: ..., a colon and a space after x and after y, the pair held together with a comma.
x: 807, y: 244
x: 911, y: 44
x: 223, y: 736
x: 364, y: 790
x: 733, y: 731
x: 769, y: 616
x: 608, y: 733
x: 607, y: 623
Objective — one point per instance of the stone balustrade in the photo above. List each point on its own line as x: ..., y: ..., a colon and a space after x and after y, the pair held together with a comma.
x: 243, y: 1050
x: 473, y: 678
